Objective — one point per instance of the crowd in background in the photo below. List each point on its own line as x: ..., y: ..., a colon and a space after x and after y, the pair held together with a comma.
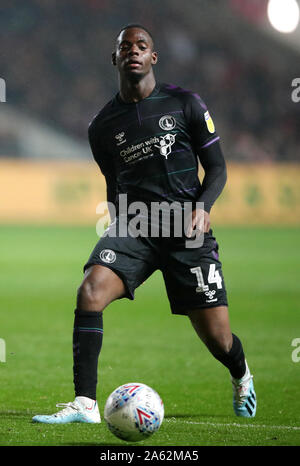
x: 55, y: 59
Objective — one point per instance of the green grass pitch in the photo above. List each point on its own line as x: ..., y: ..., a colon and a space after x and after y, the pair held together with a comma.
x: 41, y: 268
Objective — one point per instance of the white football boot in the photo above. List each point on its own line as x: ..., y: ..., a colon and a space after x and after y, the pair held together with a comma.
x: 244, y: 397
x: 82, y: 409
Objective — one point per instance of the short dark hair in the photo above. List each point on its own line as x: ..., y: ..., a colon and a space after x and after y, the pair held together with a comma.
x: 138, y: 26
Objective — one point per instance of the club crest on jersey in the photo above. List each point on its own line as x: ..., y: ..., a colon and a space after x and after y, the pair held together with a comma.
x: 167, y: 122
x: 209, y: 122
x: 165, y: 144
x: 120, y: 138
x: 108, y: 256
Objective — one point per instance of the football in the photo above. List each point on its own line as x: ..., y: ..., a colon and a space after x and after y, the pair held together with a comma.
x: 133, y: 412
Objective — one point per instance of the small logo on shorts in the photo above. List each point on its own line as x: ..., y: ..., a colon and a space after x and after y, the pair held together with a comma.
x: 167, y: 122
x: 108, y: 256
x: 210, y: 294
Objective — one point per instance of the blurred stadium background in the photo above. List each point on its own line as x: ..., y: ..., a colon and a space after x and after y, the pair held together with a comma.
x: 55, y: 60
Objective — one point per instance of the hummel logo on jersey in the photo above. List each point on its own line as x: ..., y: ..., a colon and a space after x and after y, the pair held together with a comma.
x: 108, y: 256
x: 120, y: 138
x: 165, y: 144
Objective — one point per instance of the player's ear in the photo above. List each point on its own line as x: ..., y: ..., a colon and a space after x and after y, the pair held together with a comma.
x: 154, y: 58
x: 113, y: 58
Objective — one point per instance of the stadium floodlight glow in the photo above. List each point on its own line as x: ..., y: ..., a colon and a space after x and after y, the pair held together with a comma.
x: 284, y: 15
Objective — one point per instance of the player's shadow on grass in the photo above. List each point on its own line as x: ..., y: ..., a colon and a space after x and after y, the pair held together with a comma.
x: 199, y: 415
x: 94, y: 444
x: 174, y: 416
x: 14, y: 413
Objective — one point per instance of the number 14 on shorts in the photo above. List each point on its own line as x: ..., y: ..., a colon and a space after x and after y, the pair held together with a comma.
x: 213, y: 277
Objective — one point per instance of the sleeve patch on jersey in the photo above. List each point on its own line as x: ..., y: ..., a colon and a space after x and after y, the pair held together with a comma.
x: 209, y: 122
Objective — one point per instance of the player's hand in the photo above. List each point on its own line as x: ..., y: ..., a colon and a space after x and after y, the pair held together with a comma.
x: 199, y: 223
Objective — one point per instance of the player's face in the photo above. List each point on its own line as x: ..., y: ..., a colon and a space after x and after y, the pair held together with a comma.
x: 134, y: 54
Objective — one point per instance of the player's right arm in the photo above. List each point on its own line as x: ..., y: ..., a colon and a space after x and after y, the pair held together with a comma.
x: 105, y: 164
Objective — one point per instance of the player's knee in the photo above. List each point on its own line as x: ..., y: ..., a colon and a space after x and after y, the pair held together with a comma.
x: 219, y: 343
x: 90, y: 295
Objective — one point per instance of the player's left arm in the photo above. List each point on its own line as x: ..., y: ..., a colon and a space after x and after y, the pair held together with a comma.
x: 215, y: 176
x: 207, y: 146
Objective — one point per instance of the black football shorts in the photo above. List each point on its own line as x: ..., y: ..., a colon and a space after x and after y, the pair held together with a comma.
x: 193, y: 276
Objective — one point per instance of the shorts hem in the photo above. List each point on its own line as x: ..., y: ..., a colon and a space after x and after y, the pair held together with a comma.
x: 129, y: 294
x: 184, y: 310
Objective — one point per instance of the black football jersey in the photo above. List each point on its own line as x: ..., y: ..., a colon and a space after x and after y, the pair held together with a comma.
x: 151, y: 149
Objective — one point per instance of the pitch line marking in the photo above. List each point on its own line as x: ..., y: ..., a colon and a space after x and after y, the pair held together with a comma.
x: 235, y: 424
